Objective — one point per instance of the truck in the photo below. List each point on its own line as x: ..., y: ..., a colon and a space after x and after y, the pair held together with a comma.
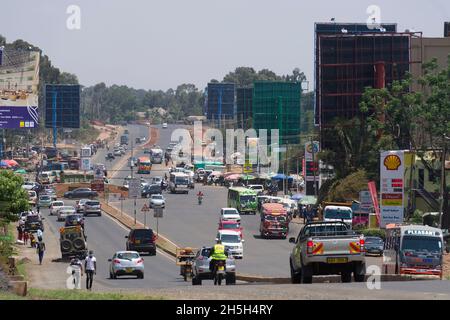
x: 156, y: 155
x: 124, y: 140
x: 72, y: 241
x: 274, y: 221
x: 327, y: 248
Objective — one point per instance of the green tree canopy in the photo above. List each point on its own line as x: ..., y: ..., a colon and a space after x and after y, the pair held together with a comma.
x: 13, y: 198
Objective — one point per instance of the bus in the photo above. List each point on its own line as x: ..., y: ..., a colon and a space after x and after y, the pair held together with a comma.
x: 179, y: 182
x: 413, y: 250
x: 156, y: 155
x: 243, y: 199
x: 144, y: 165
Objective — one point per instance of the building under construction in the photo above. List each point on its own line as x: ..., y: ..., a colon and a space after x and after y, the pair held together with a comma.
x: 244, y: 98
x: 220, y: 102
x: 349, y: 58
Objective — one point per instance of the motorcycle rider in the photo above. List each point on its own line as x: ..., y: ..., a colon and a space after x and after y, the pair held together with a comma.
x: 218, y: 253
x: 200, y: 197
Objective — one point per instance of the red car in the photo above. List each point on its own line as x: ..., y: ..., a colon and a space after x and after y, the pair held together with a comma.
x: 232, y: 226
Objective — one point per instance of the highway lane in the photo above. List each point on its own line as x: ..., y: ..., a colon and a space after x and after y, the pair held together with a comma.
x: 105, y: 236
x: 188, y: 224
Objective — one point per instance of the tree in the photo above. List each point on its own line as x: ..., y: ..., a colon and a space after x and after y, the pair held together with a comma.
x: 296, y: 76
x: 13, y: 198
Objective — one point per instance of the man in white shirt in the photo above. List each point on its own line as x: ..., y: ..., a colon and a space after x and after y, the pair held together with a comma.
x: 90, y: 267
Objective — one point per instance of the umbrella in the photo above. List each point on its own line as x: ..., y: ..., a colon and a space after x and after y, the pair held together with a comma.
x: 3, y: 164
x: 281, y: 176
x: 235, y: 176
x: 12, y: 163
x: 21, y: 171
x: 308, y: 200
x: 297, y: 196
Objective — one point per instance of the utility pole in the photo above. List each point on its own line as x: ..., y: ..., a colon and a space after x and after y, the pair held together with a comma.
x: 443, y: 186
x: 132, y: 175
x: 313, y: 166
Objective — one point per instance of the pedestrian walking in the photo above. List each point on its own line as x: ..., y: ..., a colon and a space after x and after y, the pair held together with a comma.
x: 77, y: 272
x: 25, y: 237
x: 90, y: 267
x: 40, y: 249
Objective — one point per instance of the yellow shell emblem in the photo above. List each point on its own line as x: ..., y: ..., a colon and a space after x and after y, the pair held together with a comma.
x: 392, y: 162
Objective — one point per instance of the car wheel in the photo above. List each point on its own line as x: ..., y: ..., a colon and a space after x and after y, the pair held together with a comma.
x: 99, y: 214
x: 346, y: 277
x: 141, y: 276
x: 295, y: 276
x: 306, y: 276
x: 111, y: 275
x: 114, y: 276
x: 153, y: 253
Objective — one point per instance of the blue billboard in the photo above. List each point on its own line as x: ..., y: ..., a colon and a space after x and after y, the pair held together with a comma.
x: 19, y: 83
x: 62, y: 106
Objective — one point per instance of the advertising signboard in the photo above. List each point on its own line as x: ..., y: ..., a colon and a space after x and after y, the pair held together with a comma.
x: 19, y: 82
x: 134, y: 189
x: 392, y: 170
x: 85, y: 164
x: 309, y: 150
x: 365, y: 200
x: 67, y: 106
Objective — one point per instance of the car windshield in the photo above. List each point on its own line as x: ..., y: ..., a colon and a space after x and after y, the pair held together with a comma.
x: 275, y: 218
x: 127, y: 255
x: 422, y: 244
x: 58, y: 204
x: 44, y: 198
x: 230, y: 226
x: 180, y: 180
x: 230, y: 238
x: 158, y: 197
x: 33, y: 218
x: 337, y: 214
x: 143, y: 234
x: 92, y: 203
x: 248, y: 198
x: 229, y: 211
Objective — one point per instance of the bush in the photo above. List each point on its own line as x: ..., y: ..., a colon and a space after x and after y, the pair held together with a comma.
x: 373, y: 233
x: 348, y: 188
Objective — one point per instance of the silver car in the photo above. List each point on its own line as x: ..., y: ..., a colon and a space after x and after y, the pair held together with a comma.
x: 157, y: 200
x: 126, y: 263
x: 200, y: 268
x: 65, y: 211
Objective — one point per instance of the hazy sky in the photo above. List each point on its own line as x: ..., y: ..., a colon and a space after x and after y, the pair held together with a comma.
x: 158, y: 44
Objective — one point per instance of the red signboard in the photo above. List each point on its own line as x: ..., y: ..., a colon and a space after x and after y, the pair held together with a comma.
x: 98, y: 185
x: 374, y: 195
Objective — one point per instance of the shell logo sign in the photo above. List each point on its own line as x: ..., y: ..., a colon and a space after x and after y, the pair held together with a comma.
x: 392, y: 162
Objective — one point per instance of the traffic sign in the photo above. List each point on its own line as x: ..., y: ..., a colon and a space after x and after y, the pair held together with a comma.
x: 134, y: 189
x: 158, y: 212
x: 145, y: 208
x: 248, y: 168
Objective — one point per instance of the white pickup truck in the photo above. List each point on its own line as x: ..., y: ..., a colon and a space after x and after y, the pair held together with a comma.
x: 326, y: 248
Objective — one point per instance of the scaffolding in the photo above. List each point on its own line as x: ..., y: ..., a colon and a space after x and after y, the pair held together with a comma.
x: 349, y: 63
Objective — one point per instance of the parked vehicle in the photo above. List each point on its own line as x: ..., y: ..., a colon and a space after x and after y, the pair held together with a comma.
x: 33, y: 223
x: 55, y: 206
x: 151, y: 189
x: 324, y: 248
x: 126, y: 263
x: 274, y: 221
x: 81, y: 193
x: 141, y: 240
x: 259, y: 188
x: 243, y: 199
x: 117, y: 152
x: 30, y: 185
x: 45, y: 201
x: 157, y: 200
x: 32, y: 197
x: 374, y: 246
x: 413, y: 249
x: 64, y: 211
x: 92, y: 207
x: 72, y: 242
x: 200, y: 268
x: 124, y: 139
x: 164, y: 125
x: 232, y: 242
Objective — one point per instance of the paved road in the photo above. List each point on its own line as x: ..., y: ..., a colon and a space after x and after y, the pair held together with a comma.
x: 188, y: 224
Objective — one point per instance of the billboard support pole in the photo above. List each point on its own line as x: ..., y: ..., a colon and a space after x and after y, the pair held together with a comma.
x: 54, y: 95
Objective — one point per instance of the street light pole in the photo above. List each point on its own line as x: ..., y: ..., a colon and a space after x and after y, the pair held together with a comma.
x: 313, y: 165
x: 443, y: 186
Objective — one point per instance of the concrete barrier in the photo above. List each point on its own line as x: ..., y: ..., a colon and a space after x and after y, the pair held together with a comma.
x: 19, y: 287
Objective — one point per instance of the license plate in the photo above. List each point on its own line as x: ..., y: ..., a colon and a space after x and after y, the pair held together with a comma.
x: 128, y: 270
x: 137, y: 241
x: 337, y: 260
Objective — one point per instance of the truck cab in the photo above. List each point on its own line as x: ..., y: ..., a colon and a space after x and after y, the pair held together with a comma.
x: 274, y: 221
x: 338, y: 213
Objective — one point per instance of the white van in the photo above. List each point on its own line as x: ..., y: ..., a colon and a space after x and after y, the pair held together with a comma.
x: 338, y: 213
x: 179, y: 182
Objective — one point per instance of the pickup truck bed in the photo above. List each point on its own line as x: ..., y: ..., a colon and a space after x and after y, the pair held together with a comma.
x: 325, y: 248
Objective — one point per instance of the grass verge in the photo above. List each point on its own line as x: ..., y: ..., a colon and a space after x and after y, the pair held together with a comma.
x: 40, y: 294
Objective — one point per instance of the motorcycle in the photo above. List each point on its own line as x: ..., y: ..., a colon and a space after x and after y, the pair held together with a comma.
x: 219, y: 272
